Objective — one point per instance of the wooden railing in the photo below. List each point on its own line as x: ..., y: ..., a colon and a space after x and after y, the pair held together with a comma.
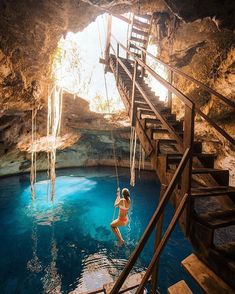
x: 172, y: 71
x: 188, y: 136
x: 184, y: 170
x: 189, y: 115
x: 151, y: 226
x: 183, y: 174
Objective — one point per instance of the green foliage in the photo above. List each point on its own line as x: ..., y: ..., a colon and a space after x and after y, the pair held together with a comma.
x: 100, y: 104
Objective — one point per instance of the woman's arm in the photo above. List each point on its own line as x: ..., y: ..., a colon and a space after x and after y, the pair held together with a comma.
x: 118, y: 199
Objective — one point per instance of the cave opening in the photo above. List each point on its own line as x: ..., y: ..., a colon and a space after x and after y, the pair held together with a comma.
x: 76, y: 67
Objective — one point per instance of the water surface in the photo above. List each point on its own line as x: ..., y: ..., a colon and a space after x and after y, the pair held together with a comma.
x: 68, y: 246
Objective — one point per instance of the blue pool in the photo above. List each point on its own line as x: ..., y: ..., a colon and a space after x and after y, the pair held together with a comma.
x: 68, y: 246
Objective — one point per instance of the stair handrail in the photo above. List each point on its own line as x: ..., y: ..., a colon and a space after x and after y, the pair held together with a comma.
x: 187, y: 101
x: 198, y: 83
x: 205, y: 87
x: 152, y: 223
x: 151, y: 105
x: 177, y: 92
x: 162, y: 243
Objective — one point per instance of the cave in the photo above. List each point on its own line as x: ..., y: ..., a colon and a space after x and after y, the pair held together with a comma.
x: 117, y: 146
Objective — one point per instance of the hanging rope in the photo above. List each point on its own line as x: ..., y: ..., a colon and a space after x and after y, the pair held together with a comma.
x: 111, y: 131
x: 109, y: 111
x: 55, y: 101
x: 33, y: 169
x: 140, y: 158
x: 132, y: 159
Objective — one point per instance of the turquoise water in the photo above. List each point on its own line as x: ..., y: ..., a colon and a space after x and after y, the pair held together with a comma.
x: 68, y: 245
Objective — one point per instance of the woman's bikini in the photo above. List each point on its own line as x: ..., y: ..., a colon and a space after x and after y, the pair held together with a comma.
x: 123, y: 210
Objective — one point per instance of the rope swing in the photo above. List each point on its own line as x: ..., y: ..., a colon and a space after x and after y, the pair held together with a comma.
x: 109, y: 111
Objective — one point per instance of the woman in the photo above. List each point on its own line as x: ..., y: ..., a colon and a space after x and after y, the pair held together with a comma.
x: 124, y: 204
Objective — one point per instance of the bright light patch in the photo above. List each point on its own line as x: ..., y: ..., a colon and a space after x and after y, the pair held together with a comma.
x: 77, y: 69
x: 156, y: 86
x: 67, y: 189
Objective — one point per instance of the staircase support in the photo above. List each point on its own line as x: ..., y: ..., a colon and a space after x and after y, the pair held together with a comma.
x: 186, y: 178
x: 158, y: 237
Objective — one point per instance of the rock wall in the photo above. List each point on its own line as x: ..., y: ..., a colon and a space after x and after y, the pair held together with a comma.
x: 196, y: 36
x: 205, y: 51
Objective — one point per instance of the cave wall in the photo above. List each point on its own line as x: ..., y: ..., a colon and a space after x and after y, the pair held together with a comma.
x: 196, y: 36
x: 205, y: 51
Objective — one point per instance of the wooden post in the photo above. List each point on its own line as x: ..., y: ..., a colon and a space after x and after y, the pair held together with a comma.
x: 187, y: 173
x: 128, y: 40
x: 133, y: 107
x: 142, y: 68
x: 117, y: 65
x: 158, y: 238
x: 107, y: 46
x: 169, y: 95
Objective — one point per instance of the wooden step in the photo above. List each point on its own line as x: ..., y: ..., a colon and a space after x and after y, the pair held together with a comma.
x: 218, y: 219
x: 207, y: 280
x: 170, y: 119
x: 221, y: 176
x: 139, y: 32
x: 141, y: 104
x: 134, y: 47
x: 145, y: 111
x: 138, y: 40
x: 166, y: 141
x: 163, y: 131
x: 136, y: 54
x: 131, y: 282
x: 140, y: 25
x: 145, y: 16
x: 227, y: 250
x: 174, y: 124
x: 213, y: 191
x: 163, y: 110
x: 179, y: 288
x: 206, y: 158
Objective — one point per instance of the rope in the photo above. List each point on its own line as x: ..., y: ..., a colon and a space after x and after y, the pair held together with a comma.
x: 109, y: 110
x: 140, y: 158
x: 33, y: 173
x: 132, y: 167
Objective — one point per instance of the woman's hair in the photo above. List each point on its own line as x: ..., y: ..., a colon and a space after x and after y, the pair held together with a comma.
x: 126, y: 193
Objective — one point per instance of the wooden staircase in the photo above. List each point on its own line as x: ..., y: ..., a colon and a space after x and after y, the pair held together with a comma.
x: 139, y: 33
x: 178, y: 159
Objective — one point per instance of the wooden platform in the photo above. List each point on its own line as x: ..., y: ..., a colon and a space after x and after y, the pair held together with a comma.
x: 179, y: 288
x: 131, y: 282
x: 205, y: 277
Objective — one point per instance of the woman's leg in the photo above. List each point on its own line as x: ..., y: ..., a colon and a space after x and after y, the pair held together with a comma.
x: 121, y: 241
x: 114, y: 226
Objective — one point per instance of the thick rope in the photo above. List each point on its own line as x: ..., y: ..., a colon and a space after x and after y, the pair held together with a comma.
x: 109, y: 110
x: 33, y: 173
x: 132, y: 180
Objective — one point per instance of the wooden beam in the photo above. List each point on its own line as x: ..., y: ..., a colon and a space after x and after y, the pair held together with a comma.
x: 179, y: 288
x: 108, y: 37
x: 158, y: 238
x: 147, y: 233
x: 162, y: 244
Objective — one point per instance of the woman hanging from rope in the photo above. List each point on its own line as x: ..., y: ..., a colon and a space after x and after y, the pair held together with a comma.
x: 124, y: 204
